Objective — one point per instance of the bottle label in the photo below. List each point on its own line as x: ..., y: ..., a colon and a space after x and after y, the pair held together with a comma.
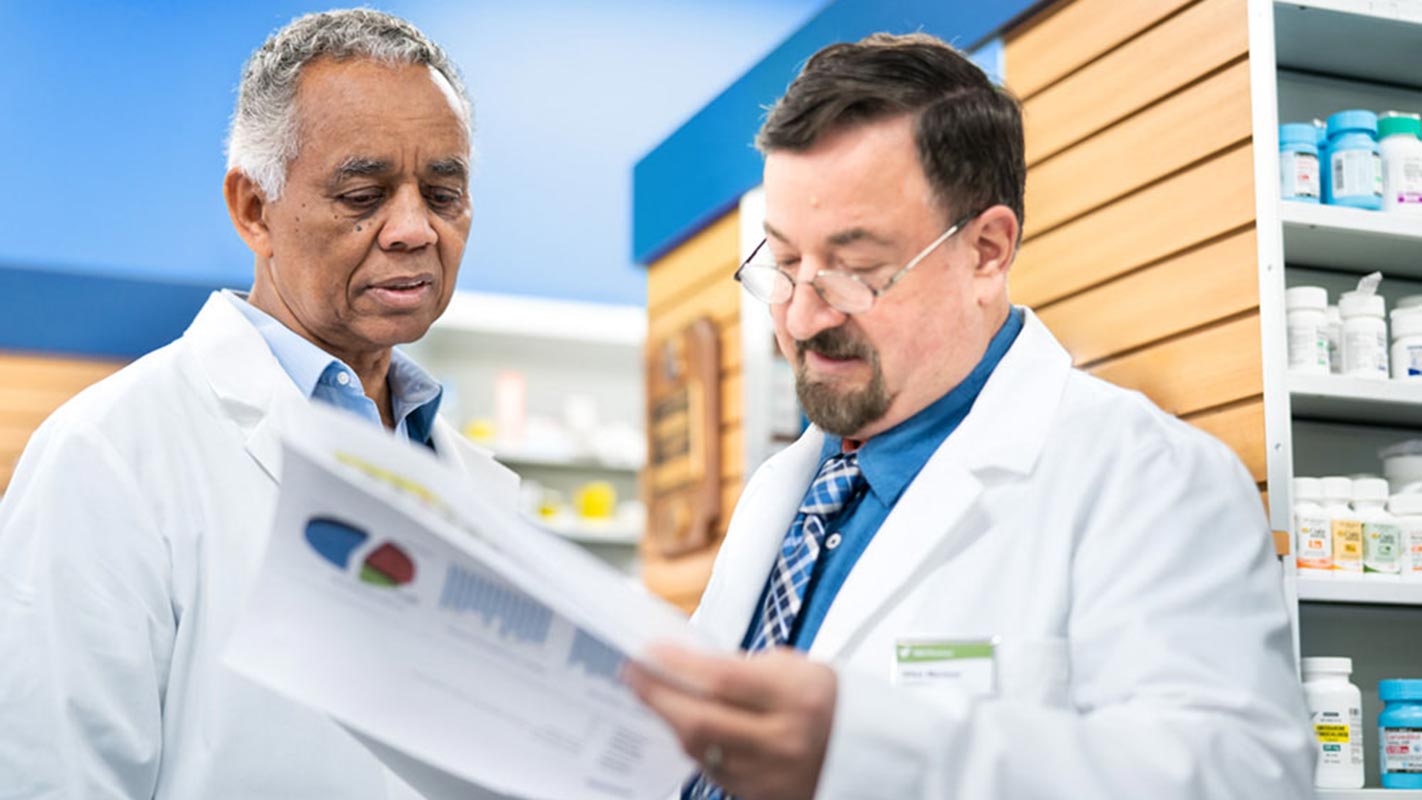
x: 1365, y: 353
x: 1402, y: 750
x: 1339, y: 738
x: 1411, y: 360
x: 1308, y: 348
x: 1315, y: 546
x: 1347, y: 544
x: 1381, y: 547
x: 1357, y: 173
x: 1404, y: 181
x: 1412, y: 556
x: 1298, y: 175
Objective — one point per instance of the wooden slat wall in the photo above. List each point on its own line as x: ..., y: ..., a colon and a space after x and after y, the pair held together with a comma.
x: 693, y: 281
x: 31, y: 388
x: 1139, y: 246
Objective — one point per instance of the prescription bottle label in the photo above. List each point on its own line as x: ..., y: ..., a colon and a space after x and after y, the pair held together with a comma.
x: 1315, y: 546
x: 1298, y: 175
x: 1402, y: 750
x: 1357, y: 173
x: 1338, y: 742
x: 1381, y: 547
x: 1347, y: 545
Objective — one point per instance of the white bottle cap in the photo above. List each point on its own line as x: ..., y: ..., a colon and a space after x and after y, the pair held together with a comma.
x: 1370, y: 489
x: 1337, y: 488
x: 1316, y: 664
x: 1308, y: 489
x: 1356, y: 304
x: 1306, y: 298
x: 1407, y: 504
x: 1410, y: 301
x: 1333, y: 316
x: 1406, y: 322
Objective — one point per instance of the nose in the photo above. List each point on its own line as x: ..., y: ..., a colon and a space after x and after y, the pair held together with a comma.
x: 407, y: 224
x: 806, y: 313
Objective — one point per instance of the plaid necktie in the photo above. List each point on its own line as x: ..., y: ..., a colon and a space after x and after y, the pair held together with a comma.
x: 838, y: 480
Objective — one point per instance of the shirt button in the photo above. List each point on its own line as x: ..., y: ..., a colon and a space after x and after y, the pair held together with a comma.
x: 343, y: 378
x: 833, y: 541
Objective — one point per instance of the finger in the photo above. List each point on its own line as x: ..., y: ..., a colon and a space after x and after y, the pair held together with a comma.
x: 754, y: 684
x: 698, y: 721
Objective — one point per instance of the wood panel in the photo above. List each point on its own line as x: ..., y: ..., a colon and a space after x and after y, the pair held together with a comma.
x: 1064, y: 38
x: 730, y: 342
x: 1208, y: 200
x: 1205, y: 368
x: 707, y: 259
x: 733, y: 453
x: 721, y: 302
x: 1195, y: 288
x: 732, y: 399
x: 1145, y: 147
x: 1241, y: 426
x: 31, y: 388
x: 1199, y: 40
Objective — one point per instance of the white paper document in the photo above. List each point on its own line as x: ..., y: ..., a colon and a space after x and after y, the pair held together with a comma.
x: 476, y: 654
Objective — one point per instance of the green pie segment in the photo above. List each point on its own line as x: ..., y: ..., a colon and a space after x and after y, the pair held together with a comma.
x: 387, y: 565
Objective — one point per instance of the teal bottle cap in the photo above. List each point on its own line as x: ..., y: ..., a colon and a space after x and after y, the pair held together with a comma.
x: 1297, y: 133
x: 1352, y: 120
x: 1395, y: 122
x: 1395, y: 689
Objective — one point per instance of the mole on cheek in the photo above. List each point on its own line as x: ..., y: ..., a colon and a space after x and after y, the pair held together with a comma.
x: 357, y: 229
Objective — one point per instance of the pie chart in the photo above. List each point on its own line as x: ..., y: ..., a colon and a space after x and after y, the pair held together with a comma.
x: 337, y: 542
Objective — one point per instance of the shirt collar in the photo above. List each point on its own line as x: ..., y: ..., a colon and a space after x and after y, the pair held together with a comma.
x: 414, y: 394
x: 891, y: 460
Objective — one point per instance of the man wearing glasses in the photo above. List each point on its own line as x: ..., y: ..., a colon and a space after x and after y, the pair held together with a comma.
x: 981, y: 573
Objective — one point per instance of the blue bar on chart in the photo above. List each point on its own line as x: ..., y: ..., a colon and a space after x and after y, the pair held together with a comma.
x: 518, y: 616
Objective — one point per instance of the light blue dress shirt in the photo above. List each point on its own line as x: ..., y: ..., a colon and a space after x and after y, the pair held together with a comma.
x: 889, y: 462
x: 414, y: 394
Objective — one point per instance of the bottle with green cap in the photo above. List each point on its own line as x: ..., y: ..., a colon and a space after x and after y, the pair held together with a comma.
x: 1400, y: 144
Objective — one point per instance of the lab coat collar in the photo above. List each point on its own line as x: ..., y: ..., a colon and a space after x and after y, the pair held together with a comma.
x: 1001, y: 438
x: 250, y: 384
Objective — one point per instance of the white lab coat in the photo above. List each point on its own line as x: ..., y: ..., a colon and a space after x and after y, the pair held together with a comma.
x: 132, y: 527
x: 1122, y: 559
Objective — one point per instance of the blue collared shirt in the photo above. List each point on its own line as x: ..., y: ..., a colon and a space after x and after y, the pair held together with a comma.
x: 414, y: 394
x: 889, y: 462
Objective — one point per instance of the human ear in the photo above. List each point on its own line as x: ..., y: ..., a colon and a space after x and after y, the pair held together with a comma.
x: 246, y: 206
x: 995, y: 240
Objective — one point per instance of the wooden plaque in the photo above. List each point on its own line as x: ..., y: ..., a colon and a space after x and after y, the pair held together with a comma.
x: 684, y: 439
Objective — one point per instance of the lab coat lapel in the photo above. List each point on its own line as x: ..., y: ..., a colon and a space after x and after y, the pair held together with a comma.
x: 934, y: 518
x: 251, y: 387
x: 762, y: 517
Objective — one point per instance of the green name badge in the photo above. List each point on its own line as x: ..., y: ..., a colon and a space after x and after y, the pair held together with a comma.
x: 970, y: 664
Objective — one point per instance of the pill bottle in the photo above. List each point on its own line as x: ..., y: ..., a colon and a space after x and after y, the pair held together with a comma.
x: 1312, y: 540
x: 1344, y: 526
x: 1406, y: 355
x: 1381, y: 536
x: 1307, y: 320
x: 1400, y: 733
x: 1364, y: 335
x: 1407, y: 507
x: 1335, y: 707
x: 1298, y: 163
x: 1400, y: 146
x: 1354, y: 160
x: 1334, y: 328
x: 1409, y: 301
x: 1320, y: 141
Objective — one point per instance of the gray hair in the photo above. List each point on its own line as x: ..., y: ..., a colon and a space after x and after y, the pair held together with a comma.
x: 262, y: 139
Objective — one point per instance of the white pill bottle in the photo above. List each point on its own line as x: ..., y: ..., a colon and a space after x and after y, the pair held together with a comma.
x: 1335, y: 707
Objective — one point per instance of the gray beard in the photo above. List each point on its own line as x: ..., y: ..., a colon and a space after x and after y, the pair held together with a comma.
x: 836, y: 411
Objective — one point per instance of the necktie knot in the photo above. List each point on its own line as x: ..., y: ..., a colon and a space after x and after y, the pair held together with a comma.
x: 836, y: 482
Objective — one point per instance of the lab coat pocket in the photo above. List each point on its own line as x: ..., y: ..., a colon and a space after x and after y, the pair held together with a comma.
x: 1035, y: 670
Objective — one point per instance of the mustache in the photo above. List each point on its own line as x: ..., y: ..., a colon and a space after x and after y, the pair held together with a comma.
x: 835, y: 343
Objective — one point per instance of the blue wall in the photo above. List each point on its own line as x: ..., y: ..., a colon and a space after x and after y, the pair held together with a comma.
x: 112, y: 118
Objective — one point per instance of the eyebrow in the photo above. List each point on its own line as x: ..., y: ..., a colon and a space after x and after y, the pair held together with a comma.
x: 840, y: 239
x: 450, y: 168
x: 358, y: 167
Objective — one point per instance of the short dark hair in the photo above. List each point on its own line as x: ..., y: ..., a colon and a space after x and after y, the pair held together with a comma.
x: 968, y: 131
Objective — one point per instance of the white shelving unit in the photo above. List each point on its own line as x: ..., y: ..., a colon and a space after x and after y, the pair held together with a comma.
x: 1334, y: 589
x: 561, y: 348
x: 1369, y: 794
x: 1309, y: 59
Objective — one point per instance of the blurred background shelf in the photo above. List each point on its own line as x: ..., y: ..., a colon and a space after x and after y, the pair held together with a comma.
x: 1355, y: 400
x: 1361, y: 590
x: 1352, y: 239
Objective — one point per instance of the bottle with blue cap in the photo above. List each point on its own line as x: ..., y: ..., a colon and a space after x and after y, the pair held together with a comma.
x: 1298, y: 163
x: 1400, y: 733
x: 1355, y: 163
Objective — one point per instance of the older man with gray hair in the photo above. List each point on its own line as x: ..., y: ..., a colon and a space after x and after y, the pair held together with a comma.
x: 139, y: 510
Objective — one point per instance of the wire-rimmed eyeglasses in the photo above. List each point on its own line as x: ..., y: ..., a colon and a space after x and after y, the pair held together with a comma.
x: 844, y: 291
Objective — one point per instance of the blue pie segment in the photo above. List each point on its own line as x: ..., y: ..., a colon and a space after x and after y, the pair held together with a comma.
x: 334, y: 540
